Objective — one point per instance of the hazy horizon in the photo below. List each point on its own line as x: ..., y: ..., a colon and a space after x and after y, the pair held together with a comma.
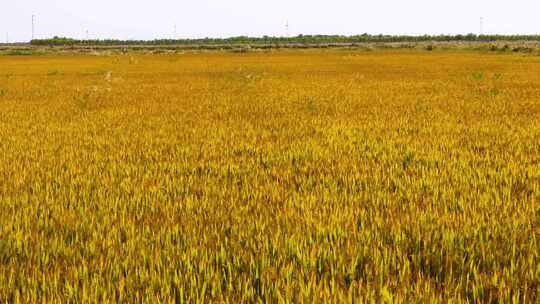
x: 162, y: 19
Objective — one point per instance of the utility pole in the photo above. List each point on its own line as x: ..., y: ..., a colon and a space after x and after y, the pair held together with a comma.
x: 481, y: 25
x: 175, y: 35
x: 287, y: 28
x: 33, y: 26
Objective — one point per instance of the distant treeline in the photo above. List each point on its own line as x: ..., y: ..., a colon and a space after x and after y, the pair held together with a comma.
x: 300, y: 39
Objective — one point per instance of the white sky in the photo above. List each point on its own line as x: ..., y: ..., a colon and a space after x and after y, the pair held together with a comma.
x: 143, y: 19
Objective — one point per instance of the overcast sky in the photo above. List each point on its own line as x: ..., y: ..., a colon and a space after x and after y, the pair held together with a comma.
x: 142, y: 19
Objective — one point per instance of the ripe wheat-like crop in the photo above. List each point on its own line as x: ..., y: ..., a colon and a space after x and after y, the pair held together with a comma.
x: 307, y: 176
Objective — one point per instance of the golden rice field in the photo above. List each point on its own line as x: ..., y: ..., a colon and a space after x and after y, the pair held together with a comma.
x: 308, y: 176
